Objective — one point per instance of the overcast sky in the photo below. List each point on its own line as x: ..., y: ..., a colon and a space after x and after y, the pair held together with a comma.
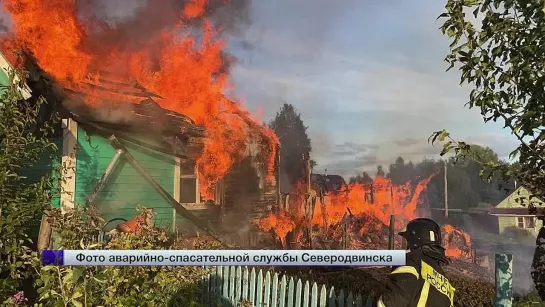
x: 368, y: 77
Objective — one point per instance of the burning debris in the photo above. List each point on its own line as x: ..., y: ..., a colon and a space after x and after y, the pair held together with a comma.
x: 357, y: 218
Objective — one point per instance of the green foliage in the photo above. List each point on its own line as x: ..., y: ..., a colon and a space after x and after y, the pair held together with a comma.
x: 529, y: 300
x: 294, y: 141
x: 114, y: 286
x: 501, y: 58
x: 23, y: 141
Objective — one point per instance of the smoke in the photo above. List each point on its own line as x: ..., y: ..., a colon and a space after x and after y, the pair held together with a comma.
x: 490, y: 244
x: 131, y: 23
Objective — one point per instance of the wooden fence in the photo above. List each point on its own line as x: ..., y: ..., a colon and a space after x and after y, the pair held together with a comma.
x: 241, y: 287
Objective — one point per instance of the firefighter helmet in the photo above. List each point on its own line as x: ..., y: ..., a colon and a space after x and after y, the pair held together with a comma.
x: 422, y: 231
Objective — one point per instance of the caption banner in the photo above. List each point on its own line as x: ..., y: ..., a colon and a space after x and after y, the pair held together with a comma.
x: 224, y: 257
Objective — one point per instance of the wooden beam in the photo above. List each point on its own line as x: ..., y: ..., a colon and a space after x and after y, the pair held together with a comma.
x: 68, y: 172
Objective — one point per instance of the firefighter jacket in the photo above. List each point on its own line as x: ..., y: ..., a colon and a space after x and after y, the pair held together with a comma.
x: 419, y: 283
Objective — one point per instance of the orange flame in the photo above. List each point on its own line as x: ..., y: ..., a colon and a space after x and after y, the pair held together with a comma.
x: 190, y: 76
x: 457, y: 242
x: 381, y: 199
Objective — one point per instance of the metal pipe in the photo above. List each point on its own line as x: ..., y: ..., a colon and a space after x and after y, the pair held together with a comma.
x: 104, y: 178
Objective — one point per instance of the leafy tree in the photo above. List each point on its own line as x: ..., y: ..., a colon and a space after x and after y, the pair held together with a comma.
x: 23, y: 141
x: 400, y: 172
x: 380, y: 171
x: 502, y: 60
x: 294, y: 141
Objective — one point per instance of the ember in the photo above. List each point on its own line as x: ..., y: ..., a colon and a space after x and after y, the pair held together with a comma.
x: 190, y: 77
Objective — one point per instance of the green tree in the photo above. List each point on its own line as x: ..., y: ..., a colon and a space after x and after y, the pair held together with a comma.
x: 23, y: 141
x: 401, y: 172
x: 364, y: 178
x: 294, y: 141
x: 502, y: 60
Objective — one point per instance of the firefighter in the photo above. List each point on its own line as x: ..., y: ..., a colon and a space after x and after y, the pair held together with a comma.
x: 422, y: 281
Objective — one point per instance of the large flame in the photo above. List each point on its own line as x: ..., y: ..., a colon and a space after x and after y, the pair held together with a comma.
x: 189, y: 75
x: 380, y: 199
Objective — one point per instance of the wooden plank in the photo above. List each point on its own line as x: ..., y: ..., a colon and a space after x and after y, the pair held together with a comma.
x: 332, y: 298
x: 245, y: 283
x: 291, y: 293
x: 219, y: 276
x: 209, y: 288
x: 341, y: 298
x: 267, y: 290
x: 225, y: 289
x: 274, y: 295
x: 282, y: 294
x: 252, y: 286
x: 306, y: 294
x: 350, y: 300
x: 298, y: 293
x: 204, y: 286
x: 314, y: 296
x: 323, y: 297
x: 232, y: 275
x: 238, y: 286
x: 259, y: 290
x: 359, y: 301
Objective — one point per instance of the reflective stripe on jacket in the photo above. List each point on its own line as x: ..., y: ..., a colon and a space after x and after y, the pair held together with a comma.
x: 420, y: 283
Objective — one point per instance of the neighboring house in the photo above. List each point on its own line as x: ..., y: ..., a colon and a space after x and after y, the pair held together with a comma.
x: 165, y: 144
x: 513, y: 212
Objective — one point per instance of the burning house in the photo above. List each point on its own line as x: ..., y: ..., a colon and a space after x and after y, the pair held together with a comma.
x: 125, y: 150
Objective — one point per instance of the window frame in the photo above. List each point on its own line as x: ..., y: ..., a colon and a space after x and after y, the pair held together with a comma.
x: 177, y: 182
x: 533, y: 221
x: 520, y: 220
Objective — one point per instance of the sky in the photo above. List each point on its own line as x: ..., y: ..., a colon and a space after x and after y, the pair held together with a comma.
x: 367, y: 76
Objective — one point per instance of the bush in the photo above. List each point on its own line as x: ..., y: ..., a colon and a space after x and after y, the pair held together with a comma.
x: 529, y: 300
x: 23, y: 141
x: 114, y: 286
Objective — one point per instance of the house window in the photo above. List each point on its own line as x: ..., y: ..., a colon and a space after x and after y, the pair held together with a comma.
x: 530, y: 222
x: 189, y: 186
x: 520, y: 222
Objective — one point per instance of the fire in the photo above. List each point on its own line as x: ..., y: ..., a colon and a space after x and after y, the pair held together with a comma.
x: 457, y: 242
x: 189, y: 75
x: 380, y: 200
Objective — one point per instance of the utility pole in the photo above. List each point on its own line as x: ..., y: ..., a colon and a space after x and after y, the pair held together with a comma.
x: 446, y: 191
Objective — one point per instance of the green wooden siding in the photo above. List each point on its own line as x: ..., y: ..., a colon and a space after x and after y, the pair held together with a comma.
x: 520, y: 198
x: 505, y: 222
x: 515, y: 198
x: 4, y: 81
x: 125, y: 188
